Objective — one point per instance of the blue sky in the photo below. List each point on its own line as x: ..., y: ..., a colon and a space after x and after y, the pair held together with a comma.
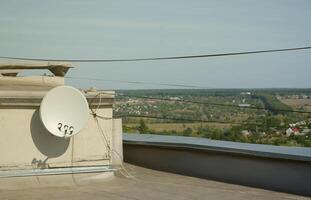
x: 73, y: 29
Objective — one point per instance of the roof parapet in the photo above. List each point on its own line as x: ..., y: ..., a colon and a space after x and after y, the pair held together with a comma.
x: 57, y: 68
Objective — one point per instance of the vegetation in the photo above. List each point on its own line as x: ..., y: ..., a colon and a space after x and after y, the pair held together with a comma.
x: 258, y: 126
x: 142, y: 128
x: 234, y: 134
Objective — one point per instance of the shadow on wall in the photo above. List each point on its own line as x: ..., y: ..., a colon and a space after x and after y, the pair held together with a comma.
x: 49, y: 145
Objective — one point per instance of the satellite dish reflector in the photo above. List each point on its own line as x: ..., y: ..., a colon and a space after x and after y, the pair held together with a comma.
x: 64, y: 111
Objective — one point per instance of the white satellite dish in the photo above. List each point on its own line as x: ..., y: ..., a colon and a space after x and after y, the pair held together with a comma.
x: 64, y: 111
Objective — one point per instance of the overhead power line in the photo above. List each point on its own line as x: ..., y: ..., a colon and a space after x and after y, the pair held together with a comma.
x: 214, y: 104
x: 174, y: 119
x: 137, y: 82
x: 159, y: 58
x: 185, y: 119
x: 188, y: 101
x: 209, y: 103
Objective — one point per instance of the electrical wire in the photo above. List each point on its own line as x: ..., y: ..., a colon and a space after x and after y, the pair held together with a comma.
x: 137, y: 82
x: 216, y: 104
x: 159, y: 58
x: 101, y: 131
x: 72, y: 161
x: 95, y: 115
x: 185, y: 119
x: 110, y: 149
x: 175, y: 119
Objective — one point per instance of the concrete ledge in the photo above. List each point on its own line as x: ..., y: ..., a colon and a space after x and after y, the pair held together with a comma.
x: 33, y: 98
x: 286, y: 169
x: 56, y: 171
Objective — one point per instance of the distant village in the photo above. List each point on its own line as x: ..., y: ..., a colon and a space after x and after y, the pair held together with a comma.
x: 283, y: 126
x: 299, y: 128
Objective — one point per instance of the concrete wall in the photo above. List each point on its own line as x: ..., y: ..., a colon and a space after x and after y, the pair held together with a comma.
x: 25, y: 143
x: 285, y: 175
x: 31, y: 81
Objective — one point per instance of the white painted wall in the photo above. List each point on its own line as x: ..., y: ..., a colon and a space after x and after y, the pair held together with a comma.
x: 24, y: 142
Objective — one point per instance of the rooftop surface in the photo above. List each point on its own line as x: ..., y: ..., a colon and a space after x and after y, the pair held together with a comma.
x: 144, y: 184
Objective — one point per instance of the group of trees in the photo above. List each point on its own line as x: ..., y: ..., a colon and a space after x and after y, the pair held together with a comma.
x: 272, y: 123
x: 231, y: 134
x: 142, y: 128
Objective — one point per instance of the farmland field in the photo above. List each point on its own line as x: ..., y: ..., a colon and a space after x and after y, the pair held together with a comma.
x: 304, y: 104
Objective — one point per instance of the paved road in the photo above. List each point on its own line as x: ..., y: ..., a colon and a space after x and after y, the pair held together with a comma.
x: 140, y: 184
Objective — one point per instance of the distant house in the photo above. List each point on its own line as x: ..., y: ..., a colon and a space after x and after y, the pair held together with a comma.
x: 301, y: 123
x: 296, y: 130
x: 292, y: 131
x: 133, y: 101
x: 246, y: 132
x: 292, y: 125
x: 244, y: 105
x: 246, y: 93
x: 305, y: 97
x: 289, y: 132
x: 306, y: 131
x: 175, y: 98
x: 276, y: 131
